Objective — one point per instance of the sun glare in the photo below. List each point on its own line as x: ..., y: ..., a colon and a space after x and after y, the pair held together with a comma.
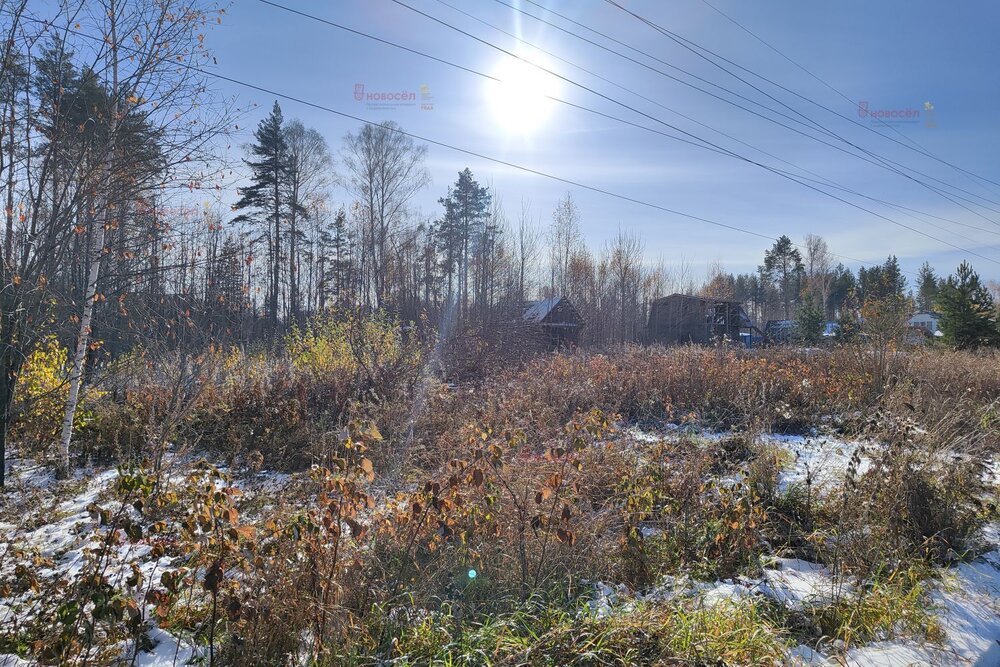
x: 519, y: 100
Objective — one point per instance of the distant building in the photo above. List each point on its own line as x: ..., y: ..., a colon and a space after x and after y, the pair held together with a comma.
x: 781, y: 331
x: 556, y: 319
x: 681, y: 318
x: 928, y: 321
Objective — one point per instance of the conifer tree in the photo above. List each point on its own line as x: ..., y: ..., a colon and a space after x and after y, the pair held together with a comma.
x: 810, y: 321
x: 968, y: 315
x: 927, y: 287
x: 783, y: 267
x: 264, y: 194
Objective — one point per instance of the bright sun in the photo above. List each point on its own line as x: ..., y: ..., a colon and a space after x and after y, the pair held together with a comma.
x: 519, y: 99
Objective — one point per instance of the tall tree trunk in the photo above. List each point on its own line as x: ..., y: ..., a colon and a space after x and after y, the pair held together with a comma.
x: 8, y: 240
x: 97, y: 255
x: 10, y: 362
x: 293, y: 269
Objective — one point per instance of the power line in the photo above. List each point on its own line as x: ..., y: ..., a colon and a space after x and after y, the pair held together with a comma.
x: 825, y: 180
x: 653, y: 118
x: 852, y: 102
x: 878, y: 161
x: 896, y: 166
x: 465, y: 151
x: 488, y: 158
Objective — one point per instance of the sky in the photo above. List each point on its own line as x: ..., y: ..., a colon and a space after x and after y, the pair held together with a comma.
x: 932, y: 62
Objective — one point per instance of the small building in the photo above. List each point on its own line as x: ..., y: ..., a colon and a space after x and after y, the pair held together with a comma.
x: 556, y: 319
x: 928, y: 321
x: 781, y: 331
x: 681, y: 318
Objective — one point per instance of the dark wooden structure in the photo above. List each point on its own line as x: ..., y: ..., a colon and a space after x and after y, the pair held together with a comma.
x: 681, y: 318
x: 555, y: 321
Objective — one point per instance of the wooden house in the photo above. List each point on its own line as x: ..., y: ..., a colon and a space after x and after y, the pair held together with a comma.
x: 681, y: 318
x: 555, y: 321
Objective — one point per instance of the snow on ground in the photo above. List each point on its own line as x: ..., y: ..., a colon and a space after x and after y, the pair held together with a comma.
x: 817, y: 458
x: 966, y: 600
x: 53, y: 522
x: 799, y: 584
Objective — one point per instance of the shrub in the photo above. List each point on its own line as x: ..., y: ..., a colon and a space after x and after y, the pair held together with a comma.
x: 42, y: 391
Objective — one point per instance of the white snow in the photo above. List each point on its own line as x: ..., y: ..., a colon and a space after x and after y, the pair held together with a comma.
x: 798, y: 584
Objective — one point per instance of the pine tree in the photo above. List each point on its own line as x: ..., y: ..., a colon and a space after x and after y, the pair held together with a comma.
x: 968, y: 315
x: 264, y: 194
x: 341, y: 257
x: 784, y: 268
x: 882, y: 282
x: 465, y: 207
x: 927, y: 288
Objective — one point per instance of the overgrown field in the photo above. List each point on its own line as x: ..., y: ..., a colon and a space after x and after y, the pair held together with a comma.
x: 335, y: 503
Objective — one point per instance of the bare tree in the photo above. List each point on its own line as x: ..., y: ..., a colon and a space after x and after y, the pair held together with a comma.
x: 309, y: 175
x: 819, y: 268
x: 144, y: 96
x: 565, y: 239
x: 385, y: 168
x: 527, y: 250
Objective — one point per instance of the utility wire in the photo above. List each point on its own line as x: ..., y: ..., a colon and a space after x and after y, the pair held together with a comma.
x: 915, y: 144
x: 465, y: 151
x: 822, y: 179
x: 896, y: 166
x: 442, y: 144
x: 879, y: 162
x: 653, y: 118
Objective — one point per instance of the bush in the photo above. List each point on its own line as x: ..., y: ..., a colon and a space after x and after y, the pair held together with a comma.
x: 42, y: 391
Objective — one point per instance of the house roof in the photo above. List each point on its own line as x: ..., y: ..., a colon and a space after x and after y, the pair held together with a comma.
x: 538, y: 311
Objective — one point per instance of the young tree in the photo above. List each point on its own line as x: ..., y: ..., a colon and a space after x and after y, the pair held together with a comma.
x: 848, y: 326
x: 968, y: 314
x: 265, y: 195
x: 927, y: 288
x: 810, y: 321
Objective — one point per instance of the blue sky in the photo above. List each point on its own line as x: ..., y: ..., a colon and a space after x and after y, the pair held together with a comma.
x: 893, y: 55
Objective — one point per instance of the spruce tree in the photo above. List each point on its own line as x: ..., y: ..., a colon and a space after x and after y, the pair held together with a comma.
x: 927, y: 288
x: 810, y: 321
x: 264, y: 194
x: 968, y: 315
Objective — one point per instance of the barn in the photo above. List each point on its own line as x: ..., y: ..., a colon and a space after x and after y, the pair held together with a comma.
x: 555, y: 320
x: 682, y: 318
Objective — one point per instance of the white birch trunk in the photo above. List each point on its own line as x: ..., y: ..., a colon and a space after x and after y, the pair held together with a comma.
x: 97, y: 253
